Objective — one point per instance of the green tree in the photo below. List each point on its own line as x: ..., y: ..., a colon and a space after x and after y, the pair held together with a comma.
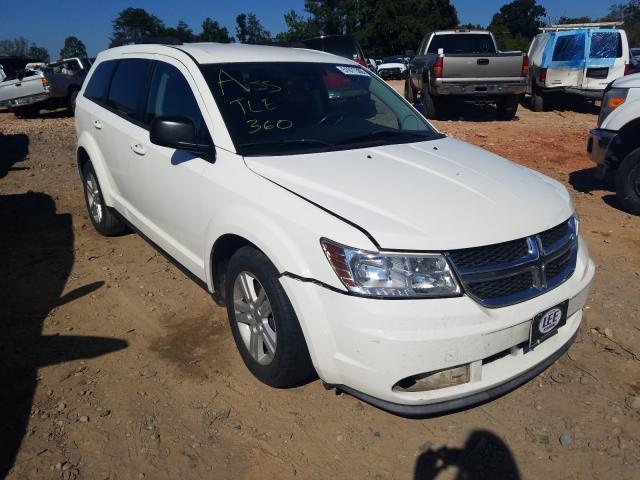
x: 21, y: 47
x: 213, y: 32
x: 629, y: 14
x: 181, y: 32
x: 298, y: 28
x: 517, y: 23
x: 73, y: 47
x: 250, y: 30
x: 135, y: 22
x: 573, y: 20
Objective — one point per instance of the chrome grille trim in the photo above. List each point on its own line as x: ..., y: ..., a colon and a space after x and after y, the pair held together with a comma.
x: 554, y: 250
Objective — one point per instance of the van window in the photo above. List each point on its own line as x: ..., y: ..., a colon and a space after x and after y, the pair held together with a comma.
x: 569, y: 48
x: 99, y: 82
x: 606, y: 45
x: 171, y: 95
x: 128, y: 86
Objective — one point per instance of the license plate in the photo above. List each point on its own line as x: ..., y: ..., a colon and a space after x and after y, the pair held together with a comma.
x: 546, y: 324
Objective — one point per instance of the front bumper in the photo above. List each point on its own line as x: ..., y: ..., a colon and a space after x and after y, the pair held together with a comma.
x: 478, y: 89
x: 365, y: 346
x: 599, y: 144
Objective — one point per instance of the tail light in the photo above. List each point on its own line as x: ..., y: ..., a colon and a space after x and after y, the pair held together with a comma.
x: 543, y: 75
x: 437, y: 67
x: 360, y: 61
x: 525, y: 66
x: 45, y: 82
x: 628, y: 69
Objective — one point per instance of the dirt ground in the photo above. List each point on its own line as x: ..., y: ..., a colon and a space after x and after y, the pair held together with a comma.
x: 114, y: 365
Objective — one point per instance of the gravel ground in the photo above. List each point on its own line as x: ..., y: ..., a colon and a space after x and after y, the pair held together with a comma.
x: 114, y: 365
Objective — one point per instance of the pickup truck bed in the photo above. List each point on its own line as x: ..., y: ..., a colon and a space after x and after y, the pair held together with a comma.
x: 23, y: 91
x: 485, y: 75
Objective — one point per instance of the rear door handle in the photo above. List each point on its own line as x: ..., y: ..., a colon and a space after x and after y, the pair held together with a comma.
x: 97, y: 124
x: 138, y: 149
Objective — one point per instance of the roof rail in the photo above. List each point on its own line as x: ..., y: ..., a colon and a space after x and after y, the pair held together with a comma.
x: 574, y: 26
x: 145, y: 40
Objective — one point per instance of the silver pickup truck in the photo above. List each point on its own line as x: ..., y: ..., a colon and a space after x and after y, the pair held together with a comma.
x: 466, y: 64
x: 42, y: 85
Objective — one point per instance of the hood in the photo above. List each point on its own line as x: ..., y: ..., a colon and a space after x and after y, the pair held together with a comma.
x: 436, y: 195
x: 628, y: 81
x: 392, y: 65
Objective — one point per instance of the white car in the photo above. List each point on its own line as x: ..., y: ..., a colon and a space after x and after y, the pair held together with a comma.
x: 345, y: 235
x: 615, y: 145
x: 393, y: 68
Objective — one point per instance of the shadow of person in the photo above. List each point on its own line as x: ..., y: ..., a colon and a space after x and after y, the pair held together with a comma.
x: 484, y: 456
x: 36, y: 257
x: 13, y: 149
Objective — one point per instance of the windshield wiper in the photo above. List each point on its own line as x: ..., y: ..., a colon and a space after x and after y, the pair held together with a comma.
x: 382, y: 134
x: 288, y: 141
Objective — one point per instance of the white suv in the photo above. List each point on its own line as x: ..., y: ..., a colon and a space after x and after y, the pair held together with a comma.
x: 344, y: 234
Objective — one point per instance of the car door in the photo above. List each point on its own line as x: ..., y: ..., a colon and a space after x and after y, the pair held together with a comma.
x: 119, y: 128
x: 166, y: 185
x: 606, y: 59
x: 566, y: 67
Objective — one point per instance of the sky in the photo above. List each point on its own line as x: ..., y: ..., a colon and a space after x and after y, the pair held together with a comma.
x: 48, y: 23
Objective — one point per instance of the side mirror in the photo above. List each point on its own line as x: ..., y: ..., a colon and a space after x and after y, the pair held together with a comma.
x: 179, y: 133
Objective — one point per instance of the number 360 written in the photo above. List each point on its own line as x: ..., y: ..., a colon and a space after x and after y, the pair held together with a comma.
x: 256, y: 126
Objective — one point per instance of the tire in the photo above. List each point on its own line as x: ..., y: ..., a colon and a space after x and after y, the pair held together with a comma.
x: 409, y: 92
x: 537, y: 102
x: 507, y: 107
x: 28, y: 111
x: 628, y: 182
x: 268, y: 328
x: 101, y: 217
x: 71, y: 101
x: 427, y: 103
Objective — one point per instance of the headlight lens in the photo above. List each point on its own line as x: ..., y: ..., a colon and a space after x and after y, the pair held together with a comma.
x: 613, y: 98
x: 391, y: 275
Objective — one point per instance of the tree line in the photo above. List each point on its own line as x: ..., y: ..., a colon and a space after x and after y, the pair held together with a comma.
x: 383, y: 27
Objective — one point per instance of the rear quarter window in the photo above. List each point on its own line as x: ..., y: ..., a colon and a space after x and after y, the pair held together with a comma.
x: 99, y: 81
x: 128, y: 87
x: 569, y: 48
x: 605, y: 45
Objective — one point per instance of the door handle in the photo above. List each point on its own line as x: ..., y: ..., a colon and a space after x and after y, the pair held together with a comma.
x: 97, y: 124
x: 483, y: 61
x: 138, y: 149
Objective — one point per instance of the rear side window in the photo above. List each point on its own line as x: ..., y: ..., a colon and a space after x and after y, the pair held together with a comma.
x: 569, y: 48
x: 128, y: 86
x: 462, y: 43
x: 99, y: 81
x: 606, y: 45
x: 171, y: 95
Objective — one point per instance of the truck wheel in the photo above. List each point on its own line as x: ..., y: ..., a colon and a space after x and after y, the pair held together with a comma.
x: 507, y: 107
x: 264, y: 325
x: 29, y: 111
x: 71, y: 101
x: 537, y: 102
x: 103, y: 220
x: 628, y: 182
x: 409, y: 92
x: 428, y: 105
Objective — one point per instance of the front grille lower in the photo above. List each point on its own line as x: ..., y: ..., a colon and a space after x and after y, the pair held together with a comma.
x: 512, y: 272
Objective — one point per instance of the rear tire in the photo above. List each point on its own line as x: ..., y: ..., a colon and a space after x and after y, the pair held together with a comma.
x: 409, y: 92
x: 628, y: 182
x: 71, y: 101
x: 428, y: 105
x: 537, y: 102
x: 264, y: 325
x: 507, y: 107
x: 101, y: 217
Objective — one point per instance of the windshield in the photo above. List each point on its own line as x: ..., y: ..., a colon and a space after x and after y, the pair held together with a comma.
x: 284, y: 108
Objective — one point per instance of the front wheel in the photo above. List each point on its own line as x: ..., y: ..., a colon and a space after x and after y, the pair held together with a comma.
x: 628, y: 182
x: 264, y: 325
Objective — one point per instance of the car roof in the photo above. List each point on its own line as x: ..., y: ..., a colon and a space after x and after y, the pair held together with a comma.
x: 204, y: 53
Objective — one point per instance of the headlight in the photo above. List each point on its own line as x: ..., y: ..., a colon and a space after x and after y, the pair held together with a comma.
x: 613, y: 98
x: 378, y: 274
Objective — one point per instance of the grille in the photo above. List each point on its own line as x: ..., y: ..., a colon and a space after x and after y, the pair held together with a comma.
x: 493, y: 254
x: 512, y: 272
x: 502, y: 287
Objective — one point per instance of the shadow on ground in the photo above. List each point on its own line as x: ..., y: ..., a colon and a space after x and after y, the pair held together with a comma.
x: 36, y: 257
x: 484, y: 456
x: 13, y: 149
x: 586, y: 181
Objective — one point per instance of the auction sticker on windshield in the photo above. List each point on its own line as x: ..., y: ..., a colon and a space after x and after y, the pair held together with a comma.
x: 352, y: 70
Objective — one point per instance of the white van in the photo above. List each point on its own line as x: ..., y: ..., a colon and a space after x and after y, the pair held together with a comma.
x: 577, y: 59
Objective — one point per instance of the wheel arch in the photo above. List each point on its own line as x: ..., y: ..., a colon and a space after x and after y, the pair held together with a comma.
x: 627, y: 140
x: 88, y: 151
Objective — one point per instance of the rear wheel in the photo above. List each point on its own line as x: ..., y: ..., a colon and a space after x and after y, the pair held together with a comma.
x: 263, y: 322
x: 507, y: 107
x: 428, y: 105
x: 537, y: 101
x: 103, y: 220
x: 409, y: 92
x: 71, y: 101
x: 628, y: 182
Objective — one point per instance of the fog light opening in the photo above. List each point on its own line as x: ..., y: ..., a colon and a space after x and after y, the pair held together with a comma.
x: 425, y: 382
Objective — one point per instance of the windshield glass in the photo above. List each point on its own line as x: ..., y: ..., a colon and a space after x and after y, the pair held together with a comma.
x: 284, y: 108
